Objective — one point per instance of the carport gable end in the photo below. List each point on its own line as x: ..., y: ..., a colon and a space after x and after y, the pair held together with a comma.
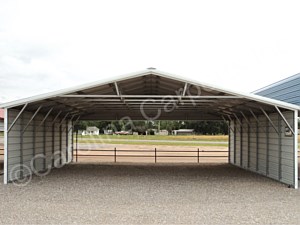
x: 44, y: 124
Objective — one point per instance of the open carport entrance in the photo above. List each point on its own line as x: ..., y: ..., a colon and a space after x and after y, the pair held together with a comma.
x: 263, y: 132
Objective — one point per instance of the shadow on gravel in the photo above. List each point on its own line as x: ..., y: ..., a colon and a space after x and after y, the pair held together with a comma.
x: 214, y: 171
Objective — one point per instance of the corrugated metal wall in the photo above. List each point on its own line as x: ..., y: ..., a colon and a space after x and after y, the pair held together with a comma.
x: 42, y: 146
x: 258, y: 147
x: 287, y: 90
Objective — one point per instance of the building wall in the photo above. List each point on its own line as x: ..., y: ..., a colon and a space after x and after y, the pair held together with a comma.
x: 257, y: 147
x: 1, y: 125
x: 40, y: 148
x: 287, y: 90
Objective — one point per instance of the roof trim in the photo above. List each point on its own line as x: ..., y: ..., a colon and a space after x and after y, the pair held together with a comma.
x: 250, y: 96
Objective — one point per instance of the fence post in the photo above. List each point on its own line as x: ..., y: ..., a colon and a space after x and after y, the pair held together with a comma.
x: 115, y: 155
x: 155, y: 154
x: 198, y: 155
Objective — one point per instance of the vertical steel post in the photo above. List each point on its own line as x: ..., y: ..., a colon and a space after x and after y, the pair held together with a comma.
x: 34, y: 143
x: 234, y: 142
x: 60, y: 144
x: 267, y: 146
x: 53, y: 144
x: 67, y: 142
x: 241, y: 144
x: 44, y: 145
x: 6, y: 119
x: 72, y: 143
x: 198, y: 155
x: 249, y: 146
x: 115, y: 152
x: 155, y: 160
x: 229, y: 141
x: 257, y: 147
x: 279, y: 148
x: 21, y: 148
x: 296, y: 149
x: 76, y: 145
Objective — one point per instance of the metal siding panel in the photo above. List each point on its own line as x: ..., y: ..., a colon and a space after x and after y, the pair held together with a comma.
x: 269, y: 150
x: 245, y: 144
x: 13, y: 144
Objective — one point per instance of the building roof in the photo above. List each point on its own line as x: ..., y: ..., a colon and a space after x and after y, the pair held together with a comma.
x: 287, y: 90
x: 92, y: 129
x: 288, y: 79
x: 185, y: 130
x: 149, y: 89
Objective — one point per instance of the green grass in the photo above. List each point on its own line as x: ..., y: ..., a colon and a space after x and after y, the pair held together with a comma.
x: 99, y: 141
x: 214, y: 138
x: 143, y: 140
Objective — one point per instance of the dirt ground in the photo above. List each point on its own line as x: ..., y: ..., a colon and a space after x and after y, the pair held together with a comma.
x: 146, y: 153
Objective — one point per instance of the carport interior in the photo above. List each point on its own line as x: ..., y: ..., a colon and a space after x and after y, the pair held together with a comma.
x: 263, y: 132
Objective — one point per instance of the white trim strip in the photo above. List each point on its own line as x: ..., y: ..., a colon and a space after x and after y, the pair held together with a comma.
x: 5, y: 180
x: 296, y: 149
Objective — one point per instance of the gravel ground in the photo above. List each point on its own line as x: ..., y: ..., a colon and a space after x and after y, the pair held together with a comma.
x: 150, y: 194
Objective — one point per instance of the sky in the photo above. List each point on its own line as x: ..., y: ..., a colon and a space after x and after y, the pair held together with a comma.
x: 50, y: 45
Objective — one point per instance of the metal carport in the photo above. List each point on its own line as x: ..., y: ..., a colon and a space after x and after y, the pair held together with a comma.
x: 263, y: 131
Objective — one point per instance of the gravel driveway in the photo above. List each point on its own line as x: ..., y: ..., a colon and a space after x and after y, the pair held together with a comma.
x: 147, y: 194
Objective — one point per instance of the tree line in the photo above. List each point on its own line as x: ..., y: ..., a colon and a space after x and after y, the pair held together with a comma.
x: 200, y: 127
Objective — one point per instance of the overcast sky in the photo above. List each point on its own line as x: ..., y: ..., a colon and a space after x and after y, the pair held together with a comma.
x: 241, y: 45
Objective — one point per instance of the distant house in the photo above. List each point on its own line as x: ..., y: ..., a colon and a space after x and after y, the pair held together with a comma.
x: 162, y: 132
x: 183, y: 132
x: 90, y: 131
x: 1, y: 120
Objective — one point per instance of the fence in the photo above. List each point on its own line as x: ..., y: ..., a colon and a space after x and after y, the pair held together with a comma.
x: 154, y: 153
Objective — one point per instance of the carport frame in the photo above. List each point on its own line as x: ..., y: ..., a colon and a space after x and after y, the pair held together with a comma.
x: 126, y: 100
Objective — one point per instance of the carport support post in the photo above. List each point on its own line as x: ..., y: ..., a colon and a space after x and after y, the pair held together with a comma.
x: 67, y: 140
x: 234, y: 142
x: 72, y: 143
x: 267, y: 150
x: 241, y: 144
x: 60, y: 143
x: 5, y: 146
x: 21, y: 149
x: 279, y: 148
x: 76, y: 145
x: 53, y: 143
x: 44, y: 145
x: 296, y: 148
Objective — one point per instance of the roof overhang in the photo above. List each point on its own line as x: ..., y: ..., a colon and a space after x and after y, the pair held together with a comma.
x: 150, y: 94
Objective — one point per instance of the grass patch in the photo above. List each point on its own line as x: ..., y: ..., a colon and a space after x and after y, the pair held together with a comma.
x: 214, y: 138
x: 98, y: 141
x: 1, y: 133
